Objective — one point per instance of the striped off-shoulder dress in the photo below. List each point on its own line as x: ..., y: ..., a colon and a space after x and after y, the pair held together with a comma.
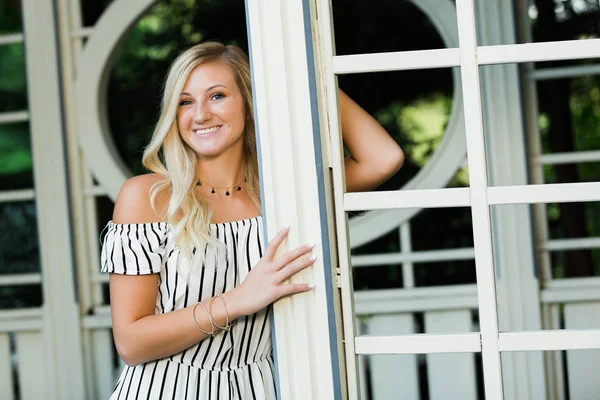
x: 236, y: 364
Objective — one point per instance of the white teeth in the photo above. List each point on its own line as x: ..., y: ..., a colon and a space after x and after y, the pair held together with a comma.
x: 205, y: 131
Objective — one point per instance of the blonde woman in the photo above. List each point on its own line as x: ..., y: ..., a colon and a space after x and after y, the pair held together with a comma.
x: 191, y: 277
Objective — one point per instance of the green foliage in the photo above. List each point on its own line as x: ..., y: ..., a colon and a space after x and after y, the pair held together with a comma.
x: 585, y: 109
x: 15, y: 149
x: 12, y: 79
x: 424, y: 122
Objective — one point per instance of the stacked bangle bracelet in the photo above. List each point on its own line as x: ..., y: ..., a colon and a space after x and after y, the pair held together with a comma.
x: 212, y: 332
x: 227, y: 324
x: 213, y: 324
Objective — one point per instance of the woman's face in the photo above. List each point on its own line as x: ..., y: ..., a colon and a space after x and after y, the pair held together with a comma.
x: 211, y: 111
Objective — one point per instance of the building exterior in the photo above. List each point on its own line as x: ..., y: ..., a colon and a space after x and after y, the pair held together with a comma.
x: 524, y: 322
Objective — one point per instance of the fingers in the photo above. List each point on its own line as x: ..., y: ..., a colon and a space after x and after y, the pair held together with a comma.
x: 294, y: 267
x: 276, y: 242
x: 292, y: 255
x: 294, y: 288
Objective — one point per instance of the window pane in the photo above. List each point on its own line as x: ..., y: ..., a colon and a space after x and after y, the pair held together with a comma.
x: 16, y: 168
x: 10, y: 17
x: 417, y: 116
x: 568, y: 374
x: 13, y: 82
x: 19, y: 248
x: 569, y: 120
x: 377, y: 27
x: 421, y: 376
x: 541, y: 20
x: 20, y: 296
x: 91, y: 10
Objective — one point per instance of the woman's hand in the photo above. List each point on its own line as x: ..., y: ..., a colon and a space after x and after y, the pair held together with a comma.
x: 264, y: 283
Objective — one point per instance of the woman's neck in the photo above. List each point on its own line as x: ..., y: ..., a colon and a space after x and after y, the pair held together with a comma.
x: 223, y: 172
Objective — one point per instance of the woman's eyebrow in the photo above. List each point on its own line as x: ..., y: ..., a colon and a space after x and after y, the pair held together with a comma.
x: 207, y: 90
x: 214, y: 86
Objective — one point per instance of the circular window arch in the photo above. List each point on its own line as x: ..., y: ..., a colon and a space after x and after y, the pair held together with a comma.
x: 448, y: 156
x: 92, y: 78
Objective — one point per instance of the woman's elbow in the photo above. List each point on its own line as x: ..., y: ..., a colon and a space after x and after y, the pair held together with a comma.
x: 391, y: 162
x: 386, y: 167
x: 397, y: 160
x: 128, y: 353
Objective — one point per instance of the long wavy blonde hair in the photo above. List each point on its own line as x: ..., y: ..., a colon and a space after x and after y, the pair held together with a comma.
x: 167, y: 154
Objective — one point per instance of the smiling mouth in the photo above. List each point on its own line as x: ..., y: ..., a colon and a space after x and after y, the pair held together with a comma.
x: 206, y: 131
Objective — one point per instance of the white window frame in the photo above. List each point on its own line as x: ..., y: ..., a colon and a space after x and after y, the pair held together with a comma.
x: 479, y: 196
x: 47, y: 337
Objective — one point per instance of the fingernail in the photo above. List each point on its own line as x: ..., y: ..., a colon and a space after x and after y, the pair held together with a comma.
x: 312, y: 258
x: 285, y: 227
x: 311, y: 245
x: 311, y: 285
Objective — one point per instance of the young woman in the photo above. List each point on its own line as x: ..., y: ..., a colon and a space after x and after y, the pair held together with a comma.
x: 191, y: 275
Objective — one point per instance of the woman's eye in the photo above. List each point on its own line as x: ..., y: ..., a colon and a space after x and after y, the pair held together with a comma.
x: 184, y: 102
x: 217, y: 96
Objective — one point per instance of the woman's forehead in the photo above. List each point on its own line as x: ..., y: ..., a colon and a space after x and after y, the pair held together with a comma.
x: 205, y: 76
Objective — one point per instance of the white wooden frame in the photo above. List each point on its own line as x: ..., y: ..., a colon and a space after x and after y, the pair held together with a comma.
x: 305, y: 335
x: 47, y: 338
x: 479, y: 196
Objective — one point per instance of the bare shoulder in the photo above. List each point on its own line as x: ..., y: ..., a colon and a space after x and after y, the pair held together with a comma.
x: 133, y: 202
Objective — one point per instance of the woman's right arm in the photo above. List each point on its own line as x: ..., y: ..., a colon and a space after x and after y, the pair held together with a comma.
x: 141, y: 335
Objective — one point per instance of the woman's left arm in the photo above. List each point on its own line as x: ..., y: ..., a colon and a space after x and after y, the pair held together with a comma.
x: 374, y: 155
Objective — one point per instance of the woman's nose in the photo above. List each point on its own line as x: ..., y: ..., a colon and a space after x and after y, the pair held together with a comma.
x: 202, y: 113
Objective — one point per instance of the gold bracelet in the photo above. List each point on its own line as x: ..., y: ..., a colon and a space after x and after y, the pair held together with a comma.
x: 209, y: 318
x: 227, y: 324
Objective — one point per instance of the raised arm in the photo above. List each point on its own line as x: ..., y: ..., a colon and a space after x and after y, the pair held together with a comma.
x: 374, y: 155
x: 141, y: 335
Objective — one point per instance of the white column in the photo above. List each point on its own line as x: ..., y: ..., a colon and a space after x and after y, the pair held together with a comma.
x: 293, y: 174
x: 61, y: 332
x: 516, y: 281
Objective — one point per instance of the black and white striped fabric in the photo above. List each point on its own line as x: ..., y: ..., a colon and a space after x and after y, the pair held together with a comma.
x: 236, y: 364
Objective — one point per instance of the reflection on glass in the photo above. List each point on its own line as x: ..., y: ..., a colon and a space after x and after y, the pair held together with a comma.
x: 19, y: 248
x: 13, y: 81
x: 416, y: 115
x: 570, y: 118
x: 568, y: 374
x: 574, y: 221
x: 413, y: 106
x: 377, y: 27
x: 436, y: 376
x: 442, y: 228
x: 16, y: 168
x: 564, y: 19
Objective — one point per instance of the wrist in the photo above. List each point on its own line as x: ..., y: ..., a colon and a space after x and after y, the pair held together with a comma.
x: 232, y: 304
